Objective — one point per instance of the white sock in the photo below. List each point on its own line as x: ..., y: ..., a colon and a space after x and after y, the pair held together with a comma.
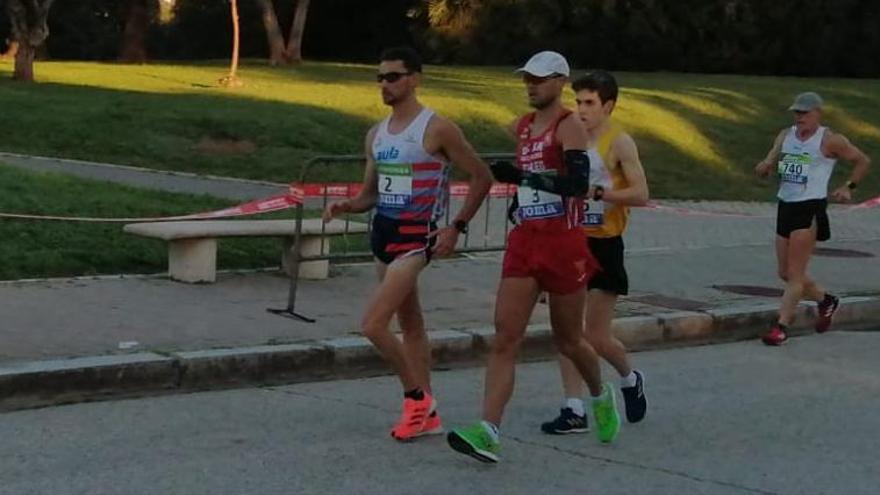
x: 576, y: 405
x: 628, y: 380
x: 493, y: 430
x: 601, y: 396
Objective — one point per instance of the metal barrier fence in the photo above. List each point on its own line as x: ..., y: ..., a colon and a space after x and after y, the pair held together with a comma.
x: 332, y: 177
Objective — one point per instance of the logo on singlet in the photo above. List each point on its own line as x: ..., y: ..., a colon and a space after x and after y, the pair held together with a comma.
x: 387, y: 154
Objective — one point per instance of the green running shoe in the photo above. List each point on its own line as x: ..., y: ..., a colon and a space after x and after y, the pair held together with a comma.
x: 474, y: 441
x: 606, y: 415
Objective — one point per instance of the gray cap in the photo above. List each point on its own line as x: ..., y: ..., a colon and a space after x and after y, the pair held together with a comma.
x: 805, y: 102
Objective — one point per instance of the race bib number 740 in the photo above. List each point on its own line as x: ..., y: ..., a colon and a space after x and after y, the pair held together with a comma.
x: 794, y: 168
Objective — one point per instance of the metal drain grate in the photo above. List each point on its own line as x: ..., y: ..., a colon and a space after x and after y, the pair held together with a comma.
x: 841, y: 253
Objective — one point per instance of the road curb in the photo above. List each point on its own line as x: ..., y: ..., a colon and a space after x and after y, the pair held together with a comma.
x: 53, y: 382
x: 60, y: 381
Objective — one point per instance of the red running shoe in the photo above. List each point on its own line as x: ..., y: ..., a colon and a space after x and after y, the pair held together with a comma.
x: 825, y: 312
x: 776, y: 336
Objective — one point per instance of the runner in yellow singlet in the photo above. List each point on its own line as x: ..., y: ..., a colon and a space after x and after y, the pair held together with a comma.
x: 618, y: 182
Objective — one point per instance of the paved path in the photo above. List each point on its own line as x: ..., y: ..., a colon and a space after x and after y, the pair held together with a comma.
x: 726, y: 420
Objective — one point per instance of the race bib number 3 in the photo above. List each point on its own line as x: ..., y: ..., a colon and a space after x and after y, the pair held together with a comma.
x: 594, y: 213
x: 794, y: 168
x: 535, y: 204
x: 395, y: 184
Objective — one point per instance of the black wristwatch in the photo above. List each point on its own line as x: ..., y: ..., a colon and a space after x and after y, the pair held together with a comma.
x: 598, y: 193
x: 461, y: 226
x: 851, y: 185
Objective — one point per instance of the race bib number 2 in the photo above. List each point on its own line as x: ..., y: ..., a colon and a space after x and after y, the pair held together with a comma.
x: 395, y: 184
x: 794, y: 168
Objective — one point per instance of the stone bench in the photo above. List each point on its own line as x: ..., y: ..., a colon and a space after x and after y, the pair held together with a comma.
x: 192, y: 245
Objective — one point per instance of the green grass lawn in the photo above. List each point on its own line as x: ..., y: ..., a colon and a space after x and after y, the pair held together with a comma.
x: 699, y: 135
x: 31, y: 248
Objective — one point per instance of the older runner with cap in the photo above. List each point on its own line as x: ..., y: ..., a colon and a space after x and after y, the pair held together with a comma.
x: 547, y: 251
x: 804, y: 156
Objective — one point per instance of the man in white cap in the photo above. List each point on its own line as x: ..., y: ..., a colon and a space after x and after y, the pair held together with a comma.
x: 804, y: 156
x: 546, y: 251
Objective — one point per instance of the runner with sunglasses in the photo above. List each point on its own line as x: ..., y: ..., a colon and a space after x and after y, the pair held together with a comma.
x: 408, y: 159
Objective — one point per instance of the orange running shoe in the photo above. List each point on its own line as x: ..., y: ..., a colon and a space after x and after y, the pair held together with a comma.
x: 433, y: 426
x: 414, y: 417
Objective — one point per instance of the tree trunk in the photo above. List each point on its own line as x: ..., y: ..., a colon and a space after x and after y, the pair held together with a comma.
x: 28, y: 19
x: 134, y: 35
x: 24, y: 63
x: 274, y: 37
x: 294, y: 41
x: 231, y: 80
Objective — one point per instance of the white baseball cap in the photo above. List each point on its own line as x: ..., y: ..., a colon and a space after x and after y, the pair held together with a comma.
x: 546, y: 63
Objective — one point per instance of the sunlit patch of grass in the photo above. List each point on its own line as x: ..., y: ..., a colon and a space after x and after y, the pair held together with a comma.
x: 851, y: 125
x: 644, y: 117
x: 704, y: 105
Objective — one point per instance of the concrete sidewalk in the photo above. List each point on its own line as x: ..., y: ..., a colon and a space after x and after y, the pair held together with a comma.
x: 87, y: 317
x: 74, y: 340
x: 81, y: 338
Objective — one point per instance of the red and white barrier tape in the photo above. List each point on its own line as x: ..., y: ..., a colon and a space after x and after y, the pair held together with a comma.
x: 278, y: 202
x: 351, y: 189
x: 866, y: 204
x: 299, y: 192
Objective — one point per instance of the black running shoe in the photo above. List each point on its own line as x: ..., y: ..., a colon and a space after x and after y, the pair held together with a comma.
x: 566, y: 422
x: 634, y: 398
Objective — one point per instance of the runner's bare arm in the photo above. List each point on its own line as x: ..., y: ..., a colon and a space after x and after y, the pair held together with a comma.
x: 460, y: 152
x: 366, y: 198
x: 571, y: 133
x: 842, y: 148
x: 766, y: 165
x: 636, y: 192
x: 839, y: 146
x: 511, y: 128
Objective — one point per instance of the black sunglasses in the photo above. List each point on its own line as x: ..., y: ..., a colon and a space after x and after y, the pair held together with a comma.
x: 391, y: 77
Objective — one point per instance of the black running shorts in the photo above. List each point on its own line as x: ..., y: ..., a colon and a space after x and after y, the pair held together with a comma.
x: 391, y: 239
x: 611, y: 276
x: 800, y: 215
